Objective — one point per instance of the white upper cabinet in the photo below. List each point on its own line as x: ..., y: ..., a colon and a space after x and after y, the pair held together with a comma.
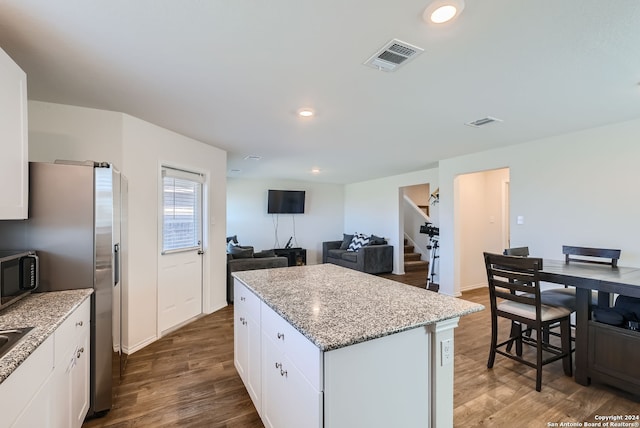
x: 14, y: 149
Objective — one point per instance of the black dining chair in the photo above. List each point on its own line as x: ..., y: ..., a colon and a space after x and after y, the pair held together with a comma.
x: 516, y: 251
x: 566, y: 296
x: 514, y: 291
x: 520, y: 252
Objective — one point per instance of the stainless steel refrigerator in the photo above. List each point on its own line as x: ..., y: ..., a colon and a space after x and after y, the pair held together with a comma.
x: 74, y: 225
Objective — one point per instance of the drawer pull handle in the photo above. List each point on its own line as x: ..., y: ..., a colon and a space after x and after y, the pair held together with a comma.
x: 79, y: 324
x: 80, y: 352
x: 282, y: 372
x: 281, y: 336
x: 242, y: 299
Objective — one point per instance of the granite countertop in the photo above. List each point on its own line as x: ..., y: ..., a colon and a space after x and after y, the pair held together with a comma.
x: 335, y: 306
x: 43, y: 311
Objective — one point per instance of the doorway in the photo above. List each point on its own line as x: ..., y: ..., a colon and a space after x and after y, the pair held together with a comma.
x: 180, y: 261
x: 481, y: 222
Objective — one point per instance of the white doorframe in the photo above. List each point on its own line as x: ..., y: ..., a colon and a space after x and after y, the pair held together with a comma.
x: 506, y: 225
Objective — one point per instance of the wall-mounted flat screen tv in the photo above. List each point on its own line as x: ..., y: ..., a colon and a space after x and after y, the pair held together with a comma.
x: 285, y: 202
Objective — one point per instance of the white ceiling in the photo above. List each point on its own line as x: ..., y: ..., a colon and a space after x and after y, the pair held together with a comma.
x: 232, y: 73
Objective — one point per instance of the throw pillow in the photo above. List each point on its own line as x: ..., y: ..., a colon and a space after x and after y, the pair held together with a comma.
x: 233, y: 239
x: 264, y: 253
x: 240, y: 252
x: 359, y: 240
x: 377, y: 240
x: 346, y: 240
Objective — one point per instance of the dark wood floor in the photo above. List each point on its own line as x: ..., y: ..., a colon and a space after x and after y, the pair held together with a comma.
x: 187, y: 379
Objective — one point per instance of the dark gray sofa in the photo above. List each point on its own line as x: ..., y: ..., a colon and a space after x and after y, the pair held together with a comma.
x: 250, y: 263
x: 368, y: 259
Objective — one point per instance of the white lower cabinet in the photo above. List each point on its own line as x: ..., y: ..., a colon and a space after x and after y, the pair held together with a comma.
x: 280, y: 368
x: 25, y: 394
x: 51, y: 387
x: 292, y: 373
x: 247, y: 355
x: 77, y: 375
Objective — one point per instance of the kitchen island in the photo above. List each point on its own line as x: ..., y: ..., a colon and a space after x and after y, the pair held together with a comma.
x: 326, y: 346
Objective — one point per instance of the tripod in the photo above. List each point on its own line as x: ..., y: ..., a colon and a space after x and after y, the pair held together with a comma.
x: 433, y: 246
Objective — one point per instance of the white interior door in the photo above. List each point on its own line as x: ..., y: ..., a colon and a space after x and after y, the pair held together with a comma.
x: 180, y: 261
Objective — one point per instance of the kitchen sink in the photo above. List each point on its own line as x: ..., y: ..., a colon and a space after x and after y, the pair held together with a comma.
x: 10, y: 337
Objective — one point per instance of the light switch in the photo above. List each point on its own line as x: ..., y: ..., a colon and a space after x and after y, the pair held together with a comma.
x: 520, y: 219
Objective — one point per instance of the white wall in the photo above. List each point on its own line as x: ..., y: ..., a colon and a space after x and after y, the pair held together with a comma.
x: 65, y: 132
x: 373, y: 207
x: 146, y: 147
x: 138, y: 148
x: 419, y: 194
x: 578, y: 188
x: 248, y: 219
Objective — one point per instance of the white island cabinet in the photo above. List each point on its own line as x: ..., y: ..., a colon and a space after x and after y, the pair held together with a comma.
x: 291, y: 373
x: 247, y: 341
x: 14, y: 151
x: 340, y: 348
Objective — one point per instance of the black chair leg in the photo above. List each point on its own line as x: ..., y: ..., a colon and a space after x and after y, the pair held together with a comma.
x: 516, y: 336
x: 538, y: 360
x: 567, y: 361
x: 494, y: 342
x: 513, y: 333
x: 519, y: 340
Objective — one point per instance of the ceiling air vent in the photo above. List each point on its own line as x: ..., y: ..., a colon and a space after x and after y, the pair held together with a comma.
x: 482, y: 122
x: 392, y: 55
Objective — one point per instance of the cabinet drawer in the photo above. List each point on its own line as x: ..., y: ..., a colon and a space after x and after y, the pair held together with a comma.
x: 70, y: 330
x: 304, y: 354
x: 245, y: 300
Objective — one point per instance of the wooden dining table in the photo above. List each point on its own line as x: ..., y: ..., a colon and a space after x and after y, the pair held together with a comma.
x: 586, y: 277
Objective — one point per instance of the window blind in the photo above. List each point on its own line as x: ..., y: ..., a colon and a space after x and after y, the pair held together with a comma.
x: 182, y: 210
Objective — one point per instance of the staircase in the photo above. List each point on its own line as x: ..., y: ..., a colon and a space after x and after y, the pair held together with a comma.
x: 412, y: 262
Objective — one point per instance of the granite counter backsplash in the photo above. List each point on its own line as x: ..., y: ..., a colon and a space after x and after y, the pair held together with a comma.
x: 43, y: 311
x: 335, y: 307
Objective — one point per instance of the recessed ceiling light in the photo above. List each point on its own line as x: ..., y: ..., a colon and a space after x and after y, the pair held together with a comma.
x: 315, y: 170
x: 253, y: 157
x: 441, y: 11
x: 305, y: 112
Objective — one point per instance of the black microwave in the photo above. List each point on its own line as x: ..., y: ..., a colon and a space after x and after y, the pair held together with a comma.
x: 19, y: 275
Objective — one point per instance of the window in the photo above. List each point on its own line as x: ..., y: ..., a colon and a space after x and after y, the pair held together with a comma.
x: 182, y: 210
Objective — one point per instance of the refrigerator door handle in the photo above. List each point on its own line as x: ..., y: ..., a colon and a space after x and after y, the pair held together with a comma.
x: 116, y: 264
